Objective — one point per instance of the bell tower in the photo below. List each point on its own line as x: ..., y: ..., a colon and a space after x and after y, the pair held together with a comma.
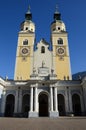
x: 24, y: 54
x: 59, y: 41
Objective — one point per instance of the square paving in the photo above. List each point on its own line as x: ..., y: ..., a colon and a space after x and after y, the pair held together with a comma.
x: 61, y: 123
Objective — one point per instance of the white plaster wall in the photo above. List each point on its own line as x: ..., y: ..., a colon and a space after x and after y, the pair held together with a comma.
x: 40, y: 57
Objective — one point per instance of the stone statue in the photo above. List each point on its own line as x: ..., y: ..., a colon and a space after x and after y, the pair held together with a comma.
x: 52, y: 71
x: 34, y: 70
x: 43, y: 63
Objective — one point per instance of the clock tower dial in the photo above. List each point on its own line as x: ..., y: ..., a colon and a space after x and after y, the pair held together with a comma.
x: 60, y: 51
x: 25, y: 51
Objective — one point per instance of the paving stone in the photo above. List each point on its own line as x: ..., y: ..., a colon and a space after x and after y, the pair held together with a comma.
x: 62, y: 123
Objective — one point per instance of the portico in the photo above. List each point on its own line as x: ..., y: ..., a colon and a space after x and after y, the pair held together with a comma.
x: 40, y: 98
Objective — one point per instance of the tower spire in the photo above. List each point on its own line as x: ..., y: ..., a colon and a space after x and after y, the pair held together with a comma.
x: 28, y: 15
x: 29, y: 9
x: 57, y: 15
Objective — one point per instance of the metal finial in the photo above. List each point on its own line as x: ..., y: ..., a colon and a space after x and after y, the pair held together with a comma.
x: 57, y: 8
x: 29, y: 9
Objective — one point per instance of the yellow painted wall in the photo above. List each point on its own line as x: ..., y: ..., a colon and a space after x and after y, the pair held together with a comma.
x: 62, y: 67
x: 23, y: 68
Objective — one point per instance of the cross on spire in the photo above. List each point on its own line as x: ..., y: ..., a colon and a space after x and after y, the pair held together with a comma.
x: 57, y: 15
x: 29, y: 9
x: 28, y: 15
x: 57, y: 8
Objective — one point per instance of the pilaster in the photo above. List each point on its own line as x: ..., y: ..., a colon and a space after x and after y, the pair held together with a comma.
x: 16, y: 103
x: 53, y: 101
x: 33, y: 101
x: 19, y: 100
x: 67, y: 107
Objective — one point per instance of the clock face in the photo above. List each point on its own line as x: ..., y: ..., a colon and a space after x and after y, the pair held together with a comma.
x: 25, y: 51
x: 60, y: 51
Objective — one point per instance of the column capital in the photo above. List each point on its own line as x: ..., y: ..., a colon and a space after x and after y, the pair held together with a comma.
x: 56, y: 85
x: 31, y: 86
x: 34, y: 85
x: 53, y: 85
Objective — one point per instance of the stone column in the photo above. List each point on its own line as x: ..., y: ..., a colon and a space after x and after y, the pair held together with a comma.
x: 53, y: 105
x: 55, y: 98
x: 33, y: 113
x: 70, y: 102
x: 51, y: 98
x: 30, y: 114
x: 31, y: 99
x: 16, y: 103
x: 36, y: 100
x: 20, y: 101
x: 67, y: 107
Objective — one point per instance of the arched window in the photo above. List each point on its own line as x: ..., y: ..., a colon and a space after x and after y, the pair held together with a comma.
x: 60, y: 41
x: 42, y: 49
x: 25, y: 42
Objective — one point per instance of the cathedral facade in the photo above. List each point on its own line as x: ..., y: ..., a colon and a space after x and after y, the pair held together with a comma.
x: 42, y: 84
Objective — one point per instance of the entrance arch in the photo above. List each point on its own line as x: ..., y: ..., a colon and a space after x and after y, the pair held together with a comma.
x: 61, y: 105
x: 26, y: 105
x: 43, y: 104
x: 76, y: 104
x: 9, y: 107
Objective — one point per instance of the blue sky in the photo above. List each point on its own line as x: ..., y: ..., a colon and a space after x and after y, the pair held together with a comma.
x: 12, y: 14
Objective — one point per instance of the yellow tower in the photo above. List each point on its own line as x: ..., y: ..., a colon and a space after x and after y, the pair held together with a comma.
x: 59, y: 40
x: 24, y: 55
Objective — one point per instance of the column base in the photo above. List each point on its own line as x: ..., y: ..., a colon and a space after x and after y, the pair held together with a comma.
x: 33, y: 114
x: 54, y: 114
